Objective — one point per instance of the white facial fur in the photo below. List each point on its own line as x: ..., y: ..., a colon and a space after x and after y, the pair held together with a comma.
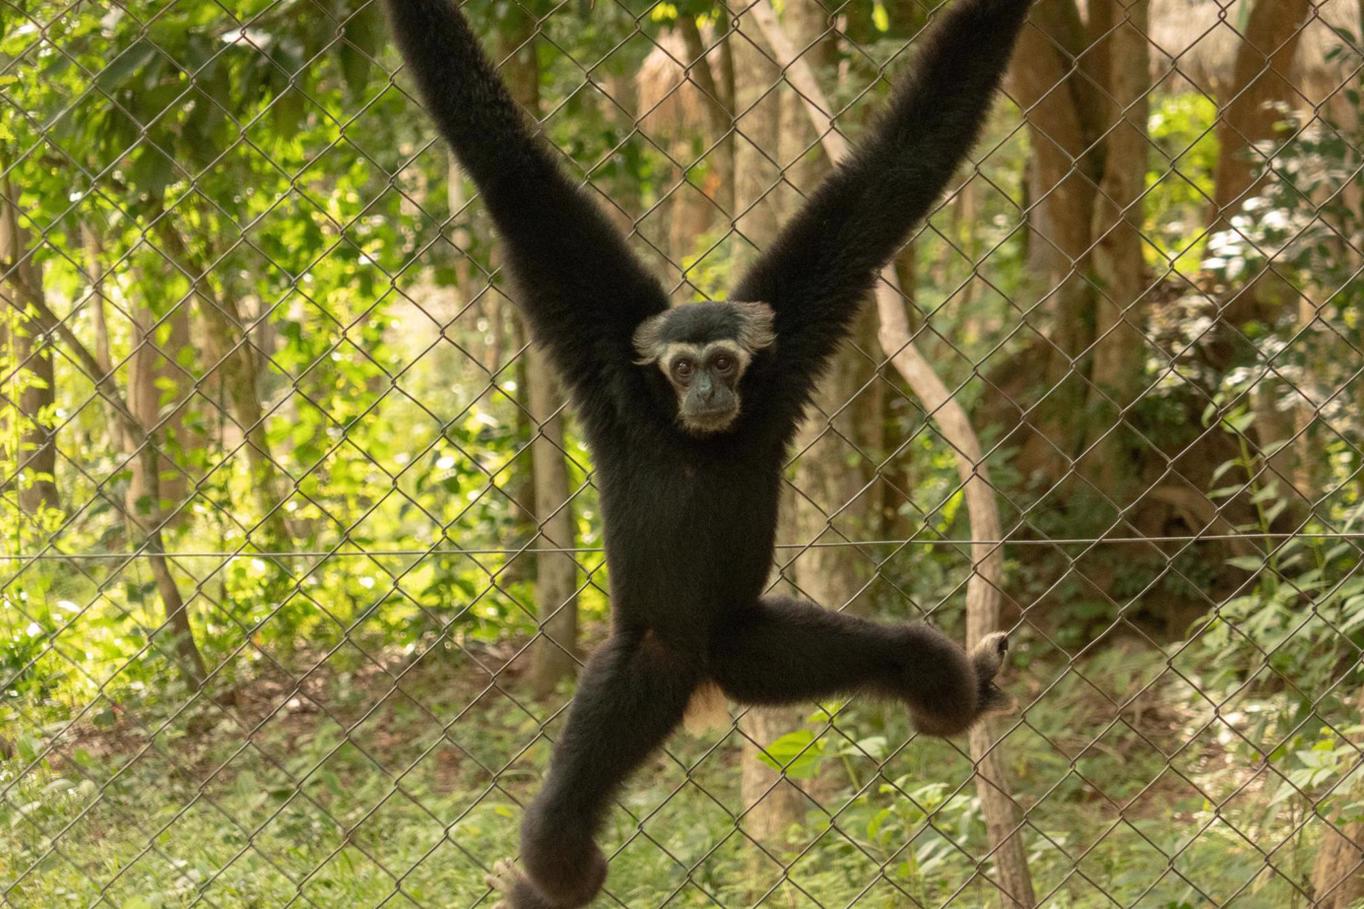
x: 700, y: 353
x: 755, y: 333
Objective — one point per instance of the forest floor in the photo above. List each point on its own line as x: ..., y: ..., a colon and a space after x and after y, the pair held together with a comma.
x: 384, y: 781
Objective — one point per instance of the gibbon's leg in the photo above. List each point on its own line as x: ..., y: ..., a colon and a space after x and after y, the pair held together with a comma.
x: 784, y: 650
x: 632, y: 694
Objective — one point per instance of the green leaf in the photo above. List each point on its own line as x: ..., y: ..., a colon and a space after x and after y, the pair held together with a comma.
x: 875, y: 747
x: 1247, y: 562
x: 1222, y: 469
x: 362, y: 32
x: 151, y: 171
x: 1354, y: 614
x: 796, y: 754
x: 134, y: 59
x: 1240, y: 422
x: 879, y: 17
x: 288, y: 113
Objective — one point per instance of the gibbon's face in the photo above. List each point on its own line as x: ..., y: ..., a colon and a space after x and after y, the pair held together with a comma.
x: 703, y: 349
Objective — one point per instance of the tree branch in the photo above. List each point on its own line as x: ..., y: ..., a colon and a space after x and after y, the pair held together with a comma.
x: 698, y: 71
x: 983, y: 589
x: 187, y: 654
x: 48, y: 320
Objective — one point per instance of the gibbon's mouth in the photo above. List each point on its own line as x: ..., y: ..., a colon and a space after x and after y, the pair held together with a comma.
x: 710, y: 421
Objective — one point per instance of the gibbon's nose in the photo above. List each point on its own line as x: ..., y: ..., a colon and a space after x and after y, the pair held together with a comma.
x: 706, y: 388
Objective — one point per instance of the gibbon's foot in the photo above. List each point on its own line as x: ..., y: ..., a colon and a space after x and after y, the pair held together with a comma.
x: 517, y: 892
x: 988, y: 658
x: 956, y: 687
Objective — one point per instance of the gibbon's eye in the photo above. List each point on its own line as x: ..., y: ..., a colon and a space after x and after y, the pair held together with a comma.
x: 683, y: 369
x: 723, y: 364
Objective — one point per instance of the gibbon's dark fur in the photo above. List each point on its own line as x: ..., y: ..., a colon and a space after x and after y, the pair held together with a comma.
x: 690, y: 519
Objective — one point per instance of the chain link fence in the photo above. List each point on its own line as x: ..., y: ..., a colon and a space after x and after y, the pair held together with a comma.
x: 301, y: 541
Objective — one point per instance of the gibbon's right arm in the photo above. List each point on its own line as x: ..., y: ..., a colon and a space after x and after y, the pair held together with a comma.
x: 825, y: 259
x: 582, y: 289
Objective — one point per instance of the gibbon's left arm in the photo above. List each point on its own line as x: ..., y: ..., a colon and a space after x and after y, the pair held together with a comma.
x: 581, y: 288
x: 827, y: 257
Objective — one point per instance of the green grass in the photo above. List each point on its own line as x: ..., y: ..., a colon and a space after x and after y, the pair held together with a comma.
x: 400, y: 786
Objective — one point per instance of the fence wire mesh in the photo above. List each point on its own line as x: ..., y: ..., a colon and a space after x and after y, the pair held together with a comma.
x: 302, y: 545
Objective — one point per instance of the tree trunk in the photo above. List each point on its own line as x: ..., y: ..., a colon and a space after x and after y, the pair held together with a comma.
x: 1260, y: 83
x: 1338, y: 873
x: 771, y: 803
x: 98, y: 297
x: 718, y: 101
x: 153, y: 368
x: 501, y: 331
x: 94, y: 273
x: 757, y: 125
x: 831, y: 494
x: 1062, y: 175
x: 185, y: 652
x: 556, y: 573
x: 897, y: 426
x: 144, y: 402
x: 1002, y: 817
x: 691, y: 205
x: 1261, y: 86
x: 229, y: 351
x: 983, y: 591
x: 461, y: 243
x: 31, y: 355
x: 183, y: 646
x: 519, y: 486
x: 1120, y: 347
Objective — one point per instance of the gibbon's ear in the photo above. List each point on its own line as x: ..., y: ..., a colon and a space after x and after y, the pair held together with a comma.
x: 755, y: 326
x: 648, y: 339
x: 747, y: 324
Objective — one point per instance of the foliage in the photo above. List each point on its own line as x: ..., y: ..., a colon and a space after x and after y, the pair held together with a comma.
x: 354, y: 563
x: 350, y: 795
x: 1180, y: 181
x: 1295, y: 244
